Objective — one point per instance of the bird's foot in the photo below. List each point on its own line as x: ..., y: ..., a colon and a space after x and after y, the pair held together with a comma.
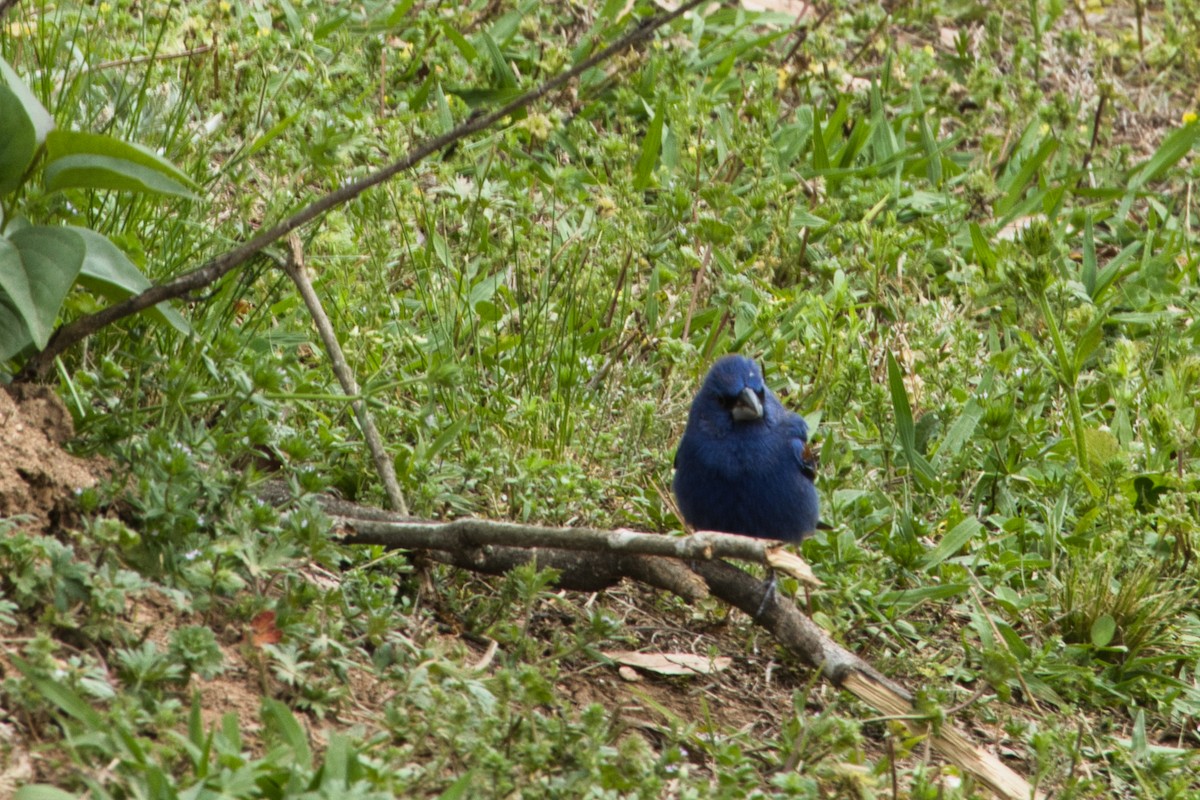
x: 768, y: 596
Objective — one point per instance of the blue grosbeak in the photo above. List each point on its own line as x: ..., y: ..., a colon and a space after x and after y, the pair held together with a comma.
x: 743, y: 465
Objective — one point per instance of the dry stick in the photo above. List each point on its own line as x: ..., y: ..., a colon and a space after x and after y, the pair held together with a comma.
x: 294, y: 267
x: 467, y: 534
x: 83, y: 327
x: 131, y: 61
x: 599, y: 559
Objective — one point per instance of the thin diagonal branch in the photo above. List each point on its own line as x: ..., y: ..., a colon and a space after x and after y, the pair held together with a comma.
x: 296, y: 270
x: 211, y: 272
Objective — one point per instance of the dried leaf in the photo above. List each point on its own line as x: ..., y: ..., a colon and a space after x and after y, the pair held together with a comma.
x: 791, y: 564
x: 263, y: 630
x: 671, y: 663
x: 629, y: 674
x: 796, y: 8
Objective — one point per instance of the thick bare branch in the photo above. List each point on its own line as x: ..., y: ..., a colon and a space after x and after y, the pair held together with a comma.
x: 590, y: 559
x: 465, y: 534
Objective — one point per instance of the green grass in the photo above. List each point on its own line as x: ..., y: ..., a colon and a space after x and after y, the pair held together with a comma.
x: 981, y: 293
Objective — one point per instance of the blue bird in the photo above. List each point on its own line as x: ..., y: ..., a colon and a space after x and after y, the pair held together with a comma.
x: 743, y: 465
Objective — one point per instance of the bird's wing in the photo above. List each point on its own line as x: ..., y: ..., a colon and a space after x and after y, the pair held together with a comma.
x: 797, y: 431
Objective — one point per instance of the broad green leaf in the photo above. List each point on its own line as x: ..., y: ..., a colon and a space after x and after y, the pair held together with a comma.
x: 37, y: 279
x: 929, y: 145
x: 984, y: 253
x: 802, y: 218
x: 65, y: 698
x: 1012, y: 640
x: 200, y: 739
x: 445, y: 116
x: 398, y: 13
x: 14, y: 333
x: 1087, y: 270
x: 500, y: 66
x: 506, y: 25
x: 271, y: 134
x: 460, y: 788
x: 108, y: 272
x: 91, y: 171
x: 446, y: 437
x: 1102, y: 447
x: 853, y: 146
x: 836, y: 122
x: 952, y: 542
x: 339, y: 760
x: 41, y: 791
x: 43, y: 123
x: 791, y: 140
x: 1016, y: 185
x: 1091, y: 338
x: 960, y: 432
x: 18, y: 140
x: 1137, y: 740
x: 904, y: 423
x: 883, y: 139
x: 465, y: 48
x: 1177, y: 144
x: 650, y: 148
x: 820, y: 160
x: 907, y: 598
x: 900, y: 405
x: 17, y: 314
x: 1116, y: 269
x: 280, y: 718
x: 1103, y: 630
x: 609, y: 11
x: 60, y: 144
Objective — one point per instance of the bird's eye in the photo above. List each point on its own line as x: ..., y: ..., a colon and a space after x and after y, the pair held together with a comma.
x: 727, y: 402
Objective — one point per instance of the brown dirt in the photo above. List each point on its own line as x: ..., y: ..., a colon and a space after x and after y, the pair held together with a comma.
x: 38, y: 479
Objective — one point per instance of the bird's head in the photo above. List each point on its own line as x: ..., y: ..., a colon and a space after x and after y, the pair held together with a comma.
x: 735, y: 384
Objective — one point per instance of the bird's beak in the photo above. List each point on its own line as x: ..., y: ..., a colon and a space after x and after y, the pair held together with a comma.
x: 748, y: 407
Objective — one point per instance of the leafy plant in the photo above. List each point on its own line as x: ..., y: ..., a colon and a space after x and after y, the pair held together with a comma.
x: 40, y: 263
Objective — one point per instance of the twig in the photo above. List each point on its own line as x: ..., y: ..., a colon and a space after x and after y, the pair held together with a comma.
x: 697, y: 283
x: 132, y: 60
x: 294, y: 267
x: 215, y: 269
x: 1087, y: 157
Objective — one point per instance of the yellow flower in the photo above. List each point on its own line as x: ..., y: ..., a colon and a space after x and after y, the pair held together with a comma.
x: 104, y: 8
x: 264, y: 31
x: 1189, y: 117
x: 538, y: 125
x: 224, y: 6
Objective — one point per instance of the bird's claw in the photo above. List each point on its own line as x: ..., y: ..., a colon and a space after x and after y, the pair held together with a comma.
x: 768, y: 596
